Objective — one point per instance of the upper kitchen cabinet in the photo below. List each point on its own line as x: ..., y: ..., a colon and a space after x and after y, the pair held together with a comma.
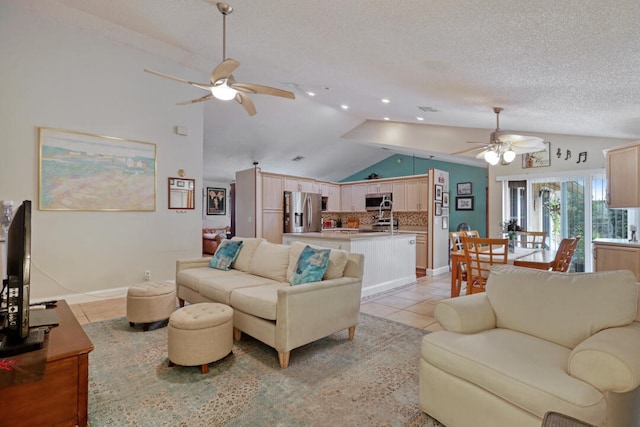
x: 300, y: 184
x: 417, y: 193
x: 352, y: 197
x: 272, y: 192
x: 399, y: 191
x: 623, y: 176
x: 332, y: 193
x: 380, y: 187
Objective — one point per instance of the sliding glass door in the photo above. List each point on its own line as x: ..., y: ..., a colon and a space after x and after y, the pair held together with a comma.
x: 565, y: 207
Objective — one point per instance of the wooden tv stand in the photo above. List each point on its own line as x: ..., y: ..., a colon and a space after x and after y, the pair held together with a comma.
x: 60, y: 398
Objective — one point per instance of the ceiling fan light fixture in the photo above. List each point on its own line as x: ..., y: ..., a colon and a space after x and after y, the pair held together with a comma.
x: 509, y: 155
x: 222, y: 91
x: 491, y: 157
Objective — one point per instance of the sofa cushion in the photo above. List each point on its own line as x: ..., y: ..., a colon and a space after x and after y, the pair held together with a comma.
x: 337, y: 261
x: 226, y: 253
x: 529, y: 372
x: 191, y: 277
x: 562, y: 308
x: 270, y: 260
x: 311, y: 265
x: 260, y: 301
x: 219, y: 289
x: 249, y: 245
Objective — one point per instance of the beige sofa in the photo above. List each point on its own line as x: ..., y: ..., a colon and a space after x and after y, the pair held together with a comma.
x: 266, y: 306
x: 536, y: 341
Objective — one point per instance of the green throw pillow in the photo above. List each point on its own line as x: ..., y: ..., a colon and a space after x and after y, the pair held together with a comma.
x: 225, y: 255
x: 311, y: 265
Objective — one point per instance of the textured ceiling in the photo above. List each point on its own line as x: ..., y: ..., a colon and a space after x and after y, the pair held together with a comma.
x: 568, y: 67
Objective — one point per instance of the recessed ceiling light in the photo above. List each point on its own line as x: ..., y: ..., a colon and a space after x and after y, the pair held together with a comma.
x: 385, y: 101
x: 420, y: 118
x: 311, y: 93
x: 386, y: 118
x: 344, y: 106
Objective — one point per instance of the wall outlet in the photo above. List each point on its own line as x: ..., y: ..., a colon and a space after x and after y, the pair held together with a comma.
x: 147, y: 275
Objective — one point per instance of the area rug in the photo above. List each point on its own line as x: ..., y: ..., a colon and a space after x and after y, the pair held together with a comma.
x: 371, y: 381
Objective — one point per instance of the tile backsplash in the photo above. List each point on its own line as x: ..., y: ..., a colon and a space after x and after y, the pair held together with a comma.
x: 413, y: 219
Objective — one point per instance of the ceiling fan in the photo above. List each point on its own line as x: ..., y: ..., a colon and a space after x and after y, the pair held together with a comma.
x: 504, y: 144
x: 223, y: 85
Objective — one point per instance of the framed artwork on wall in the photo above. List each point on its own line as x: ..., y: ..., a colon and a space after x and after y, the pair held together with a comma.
x: 445, y: 222
x: 438, y: 195
x: 445, y: 199
x: 538, y: 159
x: 464, y: 188
x: 81, y: 171
x: 438, y: 211
x: 216, y: 201
x: 464, y: 203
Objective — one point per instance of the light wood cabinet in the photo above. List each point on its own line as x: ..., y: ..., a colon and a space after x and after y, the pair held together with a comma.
x: 609, y: 257
x: 300, y: 184
x: 272, y: 226
x: 399, y: 191
x: 332, y: 193
x: 272, y: 192
x: 421, y: 251
x: 416, y: 194
x: 352, y: 197
x: 380, y: 187
x: 623, y: 177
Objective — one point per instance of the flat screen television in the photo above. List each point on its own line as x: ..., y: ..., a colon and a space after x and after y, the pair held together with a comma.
x: 17, y: 337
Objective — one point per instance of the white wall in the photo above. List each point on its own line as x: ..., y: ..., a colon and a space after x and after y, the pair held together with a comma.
x: 61, y: 77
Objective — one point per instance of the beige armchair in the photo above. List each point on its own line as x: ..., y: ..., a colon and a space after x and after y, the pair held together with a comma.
x: 536, y: 341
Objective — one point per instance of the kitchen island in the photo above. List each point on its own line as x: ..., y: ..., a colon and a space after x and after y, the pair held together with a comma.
x: 389, y: 260
x: 616, y: 254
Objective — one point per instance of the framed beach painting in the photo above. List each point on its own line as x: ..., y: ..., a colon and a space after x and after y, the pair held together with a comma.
x: 85, y: 172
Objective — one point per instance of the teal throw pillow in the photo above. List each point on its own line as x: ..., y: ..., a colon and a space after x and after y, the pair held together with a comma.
x: 311, y: 265
x: 225, y: 255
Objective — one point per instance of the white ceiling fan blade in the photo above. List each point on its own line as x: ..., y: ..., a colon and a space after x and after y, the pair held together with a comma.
x: 521, y: 140
x: 468, y: 150
x: 204, y: 86
x: 265, y: 90
x: 193, y: 101
x: 246, y: 103
x: 523, y: 150
x: 224, y: 69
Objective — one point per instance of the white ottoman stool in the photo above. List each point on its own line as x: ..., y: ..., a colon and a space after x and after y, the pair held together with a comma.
x: 150, y: 302
x: 200, y: 334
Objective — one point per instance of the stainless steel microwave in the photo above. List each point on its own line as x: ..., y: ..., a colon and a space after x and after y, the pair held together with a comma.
x: 373, y: 201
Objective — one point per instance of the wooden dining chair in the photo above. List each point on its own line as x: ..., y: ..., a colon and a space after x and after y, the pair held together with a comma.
x: 562, y: 261
x: 455, y: 239
x: 480, y: 254
x: 531, y: 239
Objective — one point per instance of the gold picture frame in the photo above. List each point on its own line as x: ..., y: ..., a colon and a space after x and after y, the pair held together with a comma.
x: 80, y: 171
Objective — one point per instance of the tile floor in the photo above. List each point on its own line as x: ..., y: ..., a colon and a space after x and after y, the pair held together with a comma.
x: 412, y: 305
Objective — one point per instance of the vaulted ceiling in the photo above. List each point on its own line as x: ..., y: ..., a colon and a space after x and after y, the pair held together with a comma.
x: 568, y: 67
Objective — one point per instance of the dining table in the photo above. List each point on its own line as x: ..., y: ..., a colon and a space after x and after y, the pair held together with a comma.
x: 538, y: 258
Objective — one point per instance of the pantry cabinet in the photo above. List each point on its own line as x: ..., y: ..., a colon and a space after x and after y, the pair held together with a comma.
x: 623, y: 176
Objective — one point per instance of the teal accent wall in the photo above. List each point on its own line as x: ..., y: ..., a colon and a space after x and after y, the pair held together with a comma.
x: 399, y: 165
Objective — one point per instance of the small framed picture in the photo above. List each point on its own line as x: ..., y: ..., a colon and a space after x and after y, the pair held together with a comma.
x: 216, y: 201
x: 464, y: 203
x: 537, y: 159
x: 438, y: 211
x: 445, y: 222
x: 464, y: 188
x: 438, y: 192
x: 445, y: 199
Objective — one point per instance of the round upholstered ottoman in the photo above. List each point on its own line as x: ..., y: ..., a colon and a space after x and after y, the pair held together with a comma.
x: 150, y: 302
x: 200, y: 334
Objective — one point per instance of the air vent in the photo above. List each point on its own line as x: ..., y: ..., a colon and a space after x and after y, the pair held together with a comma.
x: 297, y: 158
x: 428, y: 109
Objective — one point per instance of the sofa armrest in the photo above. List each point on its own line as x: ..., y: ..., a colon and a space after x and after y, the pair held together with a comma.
x: 315, y: 310
x: 183, y: 264
x: 609, y: 360
x: 466, y: 314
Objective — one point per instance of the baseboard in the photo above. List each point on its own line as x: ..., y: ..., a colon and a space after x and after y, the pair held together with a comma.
x: 437, y: 271
x: 101, y: 295
x: 385, y: 286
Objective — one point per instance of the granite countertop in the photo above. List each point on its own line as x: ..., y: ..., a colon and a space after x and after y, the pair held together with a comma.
x: 617, y: 242
x: 340, y: 234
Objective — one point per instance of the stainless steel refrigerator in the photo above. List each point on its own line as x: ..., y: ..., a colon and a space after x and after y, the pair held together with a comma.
x: 302, y: 212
